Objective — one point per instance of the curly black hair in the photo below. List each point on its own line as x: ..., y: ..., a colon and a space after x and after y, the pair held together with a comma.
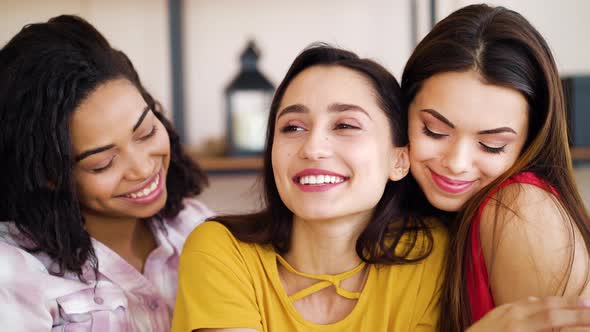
x: 46, y: 71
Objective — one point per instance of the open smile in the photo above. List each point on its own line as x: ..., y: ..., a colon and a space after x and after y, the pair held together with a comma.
x: 314, y: 180
x: 147, y: 192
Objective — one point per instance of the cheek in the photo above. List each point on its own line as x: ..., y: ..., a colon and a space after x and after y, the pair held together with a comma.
x: 423, y: 148
x: 91, y: 186
x: 162, y: 142
x: 493, y: 167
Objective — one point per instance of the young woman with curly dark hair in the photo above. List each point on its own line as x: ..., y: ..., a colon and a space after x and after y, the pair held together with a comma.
x: 98, y: 194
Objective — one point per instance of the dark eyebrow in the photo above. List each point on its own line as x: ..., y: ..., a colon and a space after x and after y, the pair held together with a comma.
x: 497, y: 131
x: 140, y: 120
x: 297, y: 108
x: 90, y: 152
x: 347, y: 107
x: 483, y: 132
x: 439, y: 116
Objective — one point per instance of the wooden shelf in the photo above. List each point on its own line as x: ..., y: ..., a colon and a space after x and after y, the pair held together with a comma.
x: 581, y: 154
x: 254, y: 164
x: 230, y: 164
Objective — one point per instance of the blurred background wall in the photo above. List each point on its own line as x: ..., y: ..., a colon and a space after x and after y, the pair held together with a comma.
x: 216, y: 31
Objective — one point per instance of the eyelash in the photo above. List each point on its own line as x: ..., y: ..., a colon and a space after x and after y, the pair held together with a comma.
x: 291, y: 128
x: 345, y: 126
x: 150, y: 134
x: 102, y: 169
x: 486, y: 148
x: 490, y: 149
x: 107, y: 166
x: 431, y: 133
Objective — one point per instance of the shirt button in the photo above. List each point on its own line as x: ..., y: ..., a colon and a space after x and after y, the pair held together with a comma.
x: 98, y: 300
x: 154, y: 305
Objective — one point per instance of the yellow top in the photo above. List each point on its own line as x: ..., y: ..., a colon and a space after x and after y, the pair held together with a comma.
x: 227, y: 283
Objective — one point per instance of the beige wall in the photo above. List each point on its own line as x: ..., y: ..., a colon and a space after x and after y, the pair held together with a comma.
x: 563, y: 23
x: 137, y: 27
x: 217, y: 32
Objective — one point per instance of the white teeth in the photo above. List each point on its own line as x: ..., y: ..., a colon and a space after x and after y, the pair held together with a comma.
x: 147, y: 189
x: 320, y: 179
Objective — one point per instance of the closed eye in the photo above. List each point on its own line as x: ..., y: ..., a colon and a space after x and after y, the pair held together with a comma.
x: 150, y: 134
x: 432, y: 134
x: 491, y: 149
x: 102, y: 169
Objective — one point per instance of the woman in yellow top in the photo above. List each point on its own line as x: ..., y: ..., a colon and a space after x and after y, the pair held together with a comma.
x: 337, y: 248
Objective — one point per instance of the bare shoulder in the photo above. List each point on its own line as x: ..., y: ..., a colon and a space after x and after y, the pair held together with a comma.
x: 525, y: 202
x: 530, y: 244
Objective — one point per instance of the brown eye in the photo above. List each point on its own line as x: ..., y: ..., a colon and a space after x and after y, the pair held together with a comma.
x: 346, y: 126
x: 290, y: 128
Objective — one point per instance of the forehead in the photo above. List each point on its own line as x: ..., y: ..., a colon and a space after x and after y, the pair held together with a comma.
x: 466, y: 100
x: 108, y: 112
x: 322, y: 85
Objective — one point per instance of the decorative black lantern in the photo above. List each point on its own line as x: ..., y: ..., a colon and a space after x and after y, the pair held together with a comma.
x: 248, y: 99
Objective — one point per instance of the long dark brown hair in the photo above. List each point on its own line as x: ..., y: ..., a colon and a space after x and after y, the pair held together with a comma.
x: 46, y: 71
x: 506, y: 50
x: 391, y: 219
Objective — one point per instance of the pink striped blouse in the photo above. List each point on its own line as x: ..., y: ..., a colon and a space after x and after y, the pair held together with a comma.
x: 120, y: 299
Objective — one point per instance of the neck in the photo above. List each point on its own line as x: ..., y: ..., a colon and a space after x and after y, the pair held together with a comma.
x: 324, y: 246
x: 130, y: 238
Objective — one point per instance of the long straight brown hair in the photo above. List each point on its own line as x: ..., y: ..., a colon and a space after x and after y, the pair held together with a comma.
x: 506, y: 50
x: 396, y: 214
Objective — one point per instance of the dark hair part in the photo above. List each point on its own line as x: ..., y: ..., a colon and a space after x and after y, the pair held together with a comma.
x: 506, y: 50
x: 391, y: 219
x: 46, y: 71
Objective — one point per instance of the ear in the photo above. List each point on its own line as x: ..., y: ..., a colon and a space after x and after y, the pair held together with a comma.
x: 400, y: 164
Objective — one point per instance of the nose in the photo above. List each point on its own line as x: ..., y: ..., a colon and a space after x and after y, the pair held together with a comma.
x: 141, y: 166
x: 316, y: 145
x: 458, y: 158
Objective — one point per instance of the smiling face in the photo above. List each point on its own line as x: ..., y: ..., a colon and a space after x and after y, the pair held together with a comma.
x: 332, y: 151
x: 463, y: 134
x: 123, y: 153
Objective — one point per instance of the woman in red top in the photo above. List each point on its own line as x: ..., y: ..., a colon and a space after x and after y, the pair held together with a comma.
x: 488, y: 144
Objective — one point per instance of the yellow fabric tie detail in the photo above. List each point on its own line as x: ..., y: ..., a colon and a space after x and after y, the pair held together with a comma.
x: 325, y: 280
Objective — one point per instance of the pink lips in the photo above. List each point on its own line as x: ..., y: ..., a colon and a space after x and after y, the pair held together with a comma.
x: 317, y: 187
x: 449, y: 185
x: 153, y: 196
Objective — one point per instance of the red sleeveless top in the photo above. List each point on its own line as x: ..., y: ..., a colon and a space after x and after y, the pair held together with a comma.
x: 478, y: 288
